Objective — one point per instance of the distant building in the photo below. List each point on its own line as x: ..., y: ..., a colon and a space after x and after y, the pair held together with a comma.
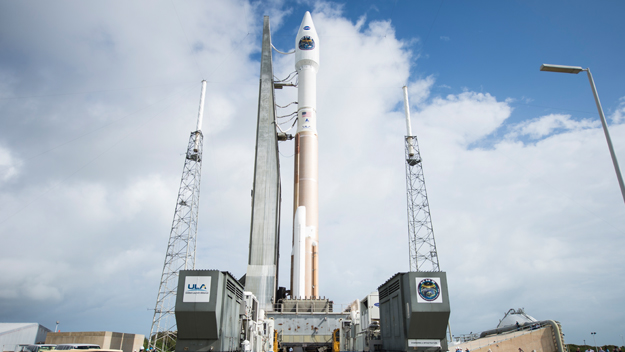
x: 14, y: 334
x: 106, y: 339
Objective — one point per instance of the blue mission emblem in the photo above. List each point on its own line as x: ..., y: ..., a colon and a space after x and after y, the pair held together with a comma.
x: 306, y: 43
x: 428, y: 290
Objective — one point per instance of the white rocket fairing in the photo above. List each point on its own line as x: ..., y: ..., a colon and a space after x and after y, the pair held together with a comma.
x: 305, y: 260
x: 307, y: 65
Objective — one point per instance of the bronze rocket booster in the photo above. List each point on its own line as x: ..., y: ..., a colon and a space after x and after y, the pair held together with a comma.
x: 305, y: 259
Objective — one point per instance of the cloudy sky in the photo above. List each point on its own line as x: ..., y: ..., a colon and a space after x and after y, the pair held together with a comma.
x: 98, y: 99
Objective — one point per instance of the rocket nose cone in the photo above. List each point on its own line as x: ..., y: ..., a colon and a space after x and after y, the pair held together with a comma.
x: 307, y: 24
x: 307, y: 18
x: 307, y: 43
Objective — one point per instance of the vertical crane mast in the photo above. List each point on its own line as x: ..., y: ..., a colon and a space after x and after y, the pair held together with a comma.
x: 181, y: 248
x: 421, y: 243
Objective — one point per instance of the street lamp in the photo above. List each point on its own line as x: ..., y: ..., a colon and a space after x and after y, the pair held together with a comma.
x: 595, y: 341
x: 576, y: 70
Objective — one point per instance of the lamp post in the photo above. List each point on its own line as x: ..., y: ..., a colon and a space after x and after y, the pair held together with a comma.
x: 595, y: 341
x: 56, y: 328
x: 576, y: 70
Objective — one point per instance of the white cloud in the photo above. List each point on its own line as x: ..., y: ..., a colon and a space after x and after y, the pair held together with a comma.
x: 522, y: 211
x: 464, y: 118
x: 546, y: 125
x: 419, y: 91
x: 9, y: 167
x: 619, y: 114
x: 102, y: 141
x: 329, y: 9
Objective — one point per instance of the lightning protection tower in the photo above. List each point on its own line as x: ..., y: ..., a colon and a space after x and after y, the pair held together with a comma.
x: 421, y: 243
x: 180, y: 253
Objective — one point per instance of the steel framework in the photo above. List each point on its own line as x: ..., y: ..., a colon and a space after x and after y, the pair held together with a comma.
x: 181, y: 247
x: 422, y: 246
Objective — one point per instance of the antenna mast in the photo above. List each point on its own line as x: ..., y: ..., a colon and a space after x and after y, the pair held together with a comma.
x: 181, y: 248
x: 421, y: 243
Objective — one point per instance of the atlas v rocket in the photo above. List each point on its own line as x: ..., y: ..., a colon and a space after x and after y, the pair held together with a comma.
x: 305, y: 256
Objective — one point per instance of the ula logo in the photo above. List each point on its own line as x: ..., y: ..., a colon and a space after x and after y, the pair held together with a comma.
x: 195, y: 288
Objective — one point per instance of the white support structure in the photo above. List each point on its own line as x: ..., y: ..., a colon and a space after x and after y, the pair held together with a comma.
x: 422, y: 246
x: 180, y: 254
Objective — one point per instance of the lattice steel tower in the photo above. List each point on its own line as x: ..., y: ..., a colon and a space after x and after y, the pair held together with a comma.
x: 421, y: 243
x: 180, y: 253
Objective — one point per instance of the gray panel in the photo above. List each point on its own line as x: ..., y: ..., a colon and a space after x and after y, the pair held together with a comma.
x: 262, y: 271
x: 405, y: 317
x: 385, y: 319
x: 202, y: 325
x: 428, y: 320
x: 199, y: 320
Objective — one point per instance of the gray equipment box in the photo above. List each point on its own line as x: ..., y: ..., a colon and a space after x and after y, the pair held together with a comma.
x: 306, y: 324
x: 414, y: 312
x: 208, y: 304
